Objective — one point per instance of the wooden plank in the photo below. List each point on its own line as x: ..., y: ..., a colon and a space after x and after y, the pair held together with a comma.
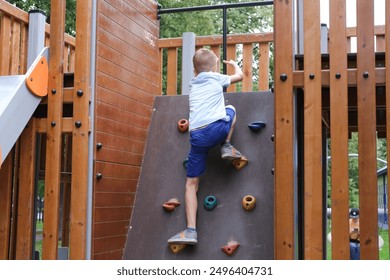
x: 339, y: 130
x: 23, y: 49
x: 102, y: 230
x: 284, y: 173
x: 15, y: 46
x: 107, y: 214
x: 172, y: 71
x: 5, y: 205
x: 67, y: 125
x: 231, y: 54
x: 313, y: 214
x: 109, y: 243
x: 26, y: 195
x: 5, y: 51
x: 387, y: 65
x: 368, y: 196
x: 263, y: 66
x: 247, y: 67
x: 54, y: 133
x: 78, y: 216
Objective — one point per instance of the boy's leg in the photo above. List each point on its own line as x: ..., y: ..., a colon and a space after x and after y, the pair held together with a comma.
x: 191, y: 201
x: 227, y: 150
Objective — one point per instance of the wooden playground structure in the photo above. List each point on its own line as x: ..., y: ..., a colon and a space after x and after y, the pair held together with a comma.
x: 85, y: 141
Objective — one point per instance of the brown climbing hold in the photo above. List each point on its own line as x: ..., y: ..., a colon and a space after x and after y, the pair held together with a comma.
x: 240, y: 163
x: 182, y: 125
x: 177, y: 248
x: 248, y: 202
x: 230, y: 248
x: 171, y: 204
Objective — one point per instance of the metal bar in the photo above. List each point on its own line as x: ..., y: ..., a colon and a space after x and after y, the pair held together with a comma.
x: 213, y: 7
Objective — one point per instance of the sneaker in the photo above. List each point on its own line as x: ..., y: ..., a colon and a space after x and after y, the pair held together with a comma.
x: 229, y: 152
x: 186, y: 236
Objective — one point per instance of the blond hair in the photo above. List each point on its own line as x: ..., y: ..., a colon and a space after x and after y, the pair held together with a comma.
x: 204, y: 60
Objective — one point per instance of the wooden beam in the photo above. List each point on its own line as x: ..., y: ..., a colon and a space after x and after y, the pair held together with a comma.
x: 24, y: 230
x: 339, y: 130
x: 54, y: 132
x: 5, y: 205
x: 78, y: 214
x: 387, y: 65
x: 284, y: 117
x: 313, y: 214
x: 368, y: 195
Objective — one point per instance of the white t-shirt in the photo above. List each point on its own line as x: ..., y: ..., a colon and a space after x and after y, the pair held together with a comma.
x: 206, y: 99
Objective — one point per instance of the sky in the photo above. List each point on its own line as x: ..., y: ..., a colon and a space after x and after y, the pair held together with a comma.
x: 379, y: 12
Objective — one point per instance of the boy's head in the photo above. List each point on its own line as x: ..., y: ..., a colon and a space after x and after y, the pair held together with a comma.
x: 204, y: 60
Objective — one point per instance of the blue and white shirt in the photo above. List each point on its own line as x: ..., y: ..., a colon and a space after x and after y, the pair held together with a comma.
x: 206, y: 98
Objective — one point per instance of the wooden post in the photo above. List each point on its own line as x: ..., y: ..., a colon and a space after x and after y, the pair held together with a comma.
x: 78, y: 215
x: 54, y: 132
x: 25, y: 211
x: 313, y: 212
x: 339, y: 130
x: 284, y: 163
x: 368, y: 191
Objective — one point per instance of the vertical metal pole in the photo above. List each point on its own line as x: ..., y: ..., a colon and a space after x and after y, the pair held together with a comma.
x: 224, y: 40
x: 36, y: 35
x: 187, y: 67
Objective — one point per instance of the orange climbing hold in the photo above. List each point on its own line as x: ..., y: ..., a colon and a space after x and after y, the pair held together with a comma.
x: 171, y: 204
x: 177, y: 248
x: 240, y: 163
x: 183, y: 125
x: 230, y: 248
x: 249, y: 202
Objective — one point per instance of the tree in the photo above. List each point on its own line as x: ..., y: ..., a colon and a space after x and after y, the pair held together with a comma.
x: 44, y: 5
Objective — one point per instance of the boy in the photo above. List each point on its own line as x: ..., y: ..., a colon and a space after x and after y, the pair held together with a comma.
x: 210, y: 124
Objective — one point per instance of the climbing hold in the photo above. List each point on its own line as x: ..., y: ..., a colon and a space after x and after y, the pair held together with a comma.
x: 177, y: 248
x: 256, y: 126
x: 230, y: 248
x: 171, y: 204
x: 240, y: 163
x: 210, y: 202
x: 248, y: 202
x: 182, y: 125
x: 185, y: 163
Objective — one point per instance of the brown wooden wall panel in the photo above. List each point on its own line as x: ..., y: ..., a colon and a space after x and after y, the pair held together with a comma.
x: 112, y: 255
x: 127, y: 79
x: 113, y: 199
x: 120, y: 129
x: 122, y: 88
x: 109, y: 244
x: 106, y: 229
x: 121, y: 143
x: 107, y: 214
x: 121, y: 115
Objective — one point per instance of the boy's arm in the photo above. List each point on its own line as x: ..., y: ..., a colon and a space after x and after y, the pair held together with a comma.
x: 237, y: 76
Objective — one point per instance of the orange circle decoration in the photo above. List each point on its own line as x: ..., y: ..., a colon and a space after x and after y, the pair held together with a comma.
x: 182, y: 125
x: 249, y: 202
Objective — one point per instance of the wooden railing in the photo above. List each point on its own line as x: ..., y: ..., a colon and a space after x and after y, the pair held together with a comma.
x: 253, y: 51
x: 14, y: 39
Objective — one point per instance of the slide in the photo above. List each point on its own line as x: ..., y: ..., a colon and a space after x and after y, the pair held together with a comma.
x: 230, y: 225
x: 19, y: 97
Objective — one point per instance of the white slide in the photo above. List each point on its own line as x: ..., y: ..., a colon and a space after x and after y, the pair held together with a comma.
x: 17, y: 105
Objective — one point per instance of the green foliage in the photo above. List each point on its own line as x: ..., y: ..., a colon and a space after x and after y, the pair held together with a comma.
x: 44, y: 5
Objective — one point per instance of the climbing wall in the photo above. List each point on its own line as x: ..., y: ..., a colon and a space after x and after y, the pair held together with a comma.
x: 163, y: 177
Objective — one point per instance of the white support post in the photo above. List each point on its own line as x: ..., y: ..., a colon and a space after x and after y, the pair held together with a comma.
x: 187, y: 68
x: 36, y: 35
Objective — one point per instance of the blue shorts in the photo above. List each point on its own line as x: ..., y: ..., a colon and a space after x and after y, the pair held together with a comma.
x: 206, y: 138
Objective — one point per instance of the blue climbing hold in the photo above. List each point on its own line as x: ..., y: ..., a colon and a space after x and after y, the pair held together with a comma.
x: 256, y: 126
x: 210, y: 202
